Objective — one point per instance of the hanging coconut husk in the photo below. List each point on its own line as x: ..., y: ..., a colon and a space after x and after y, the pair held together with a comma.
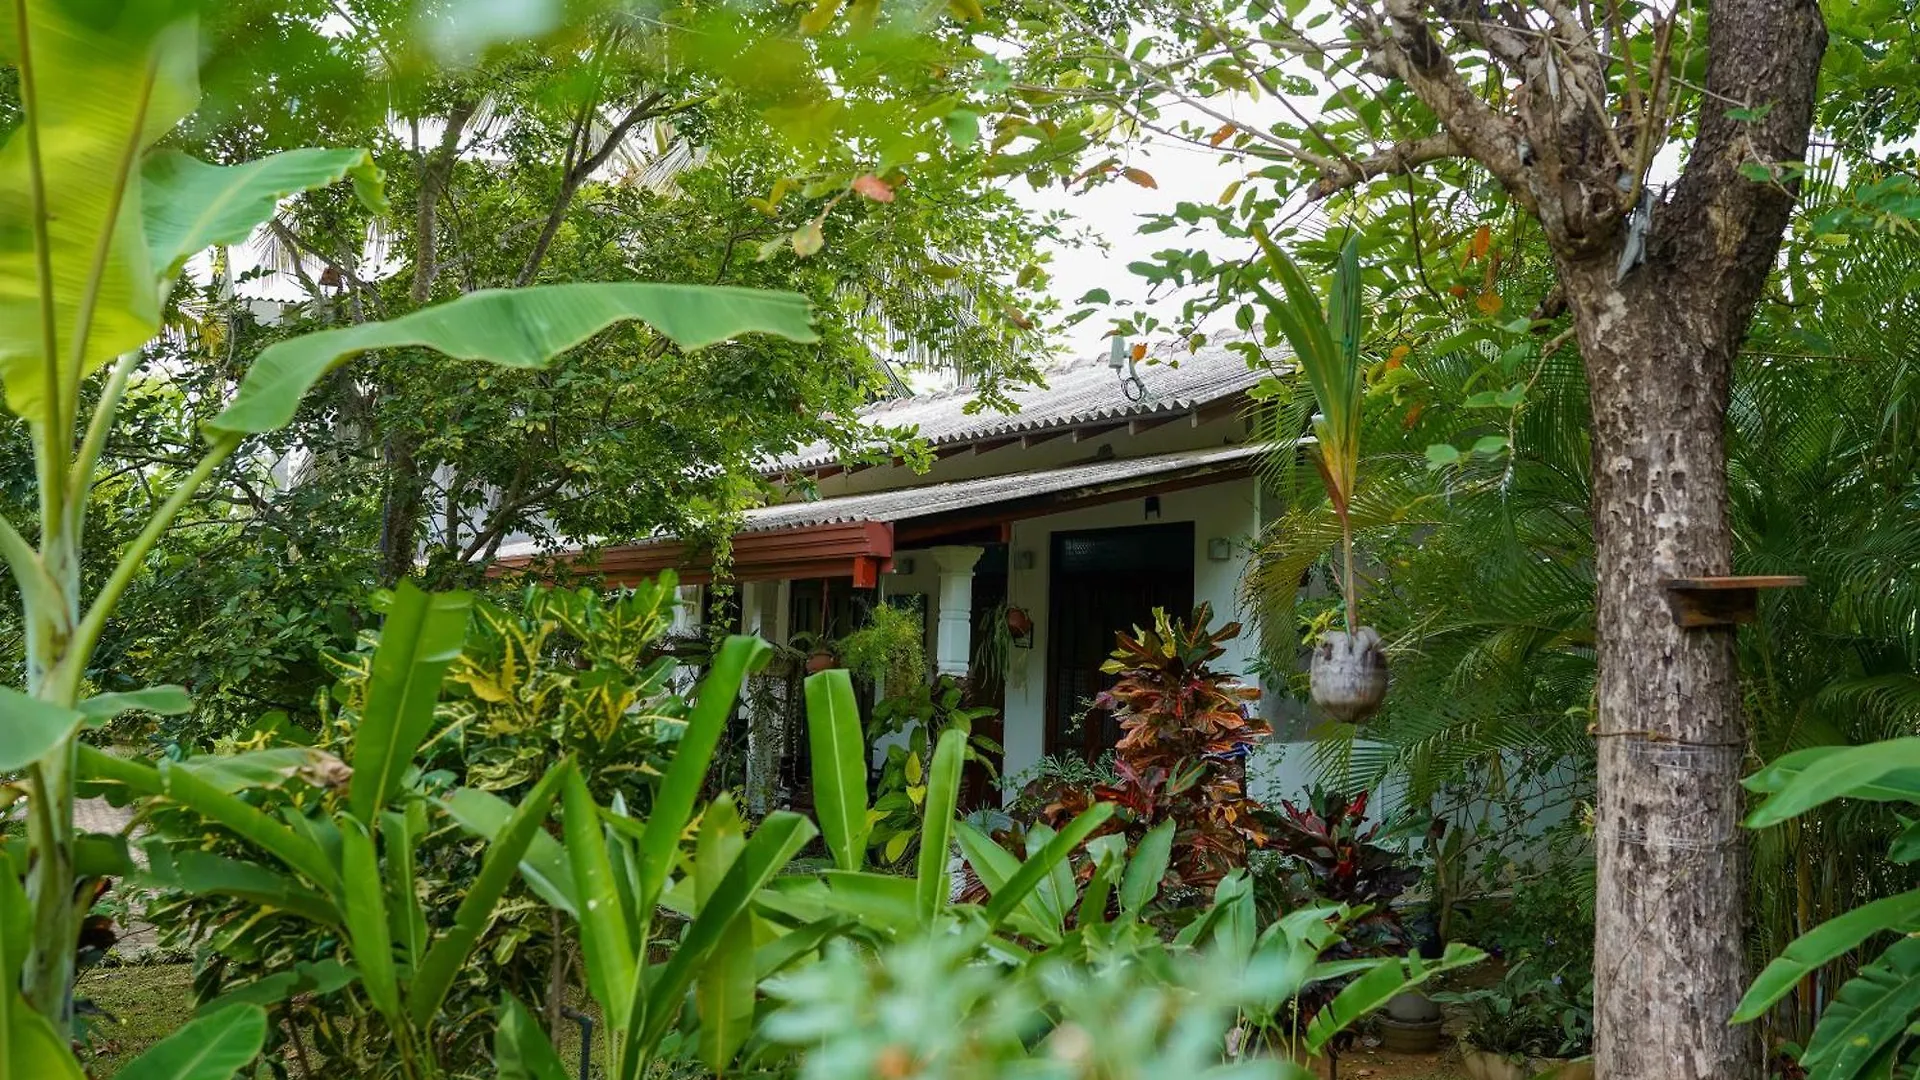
x: 1349, y: 674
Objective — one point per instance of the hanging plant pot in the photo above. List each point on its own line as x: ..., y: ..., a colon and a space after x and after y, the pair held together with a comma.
x: 1349, y: 674
x: 1019, y: 623
x: 820, y: 660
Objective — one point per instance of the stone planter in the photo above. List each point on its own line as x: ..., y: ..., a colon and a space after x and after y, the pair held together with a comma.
x: 1487, y: 1065
x: 1349, y: 674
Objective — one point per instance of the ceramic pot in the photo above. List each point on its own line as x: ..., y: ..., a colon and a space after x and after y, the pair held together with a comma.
x: 820, y: 661
x: 1019, y: 623
x: 1349, y: 674
x: 1411, y: 1007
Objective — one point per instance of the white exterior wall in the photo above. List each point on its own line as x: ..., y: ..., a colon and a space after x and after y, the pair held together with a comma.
x: 1227, y: 511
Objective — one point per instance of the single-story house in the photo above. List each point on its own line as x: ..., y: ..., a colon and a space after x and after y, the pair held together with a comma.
x: 1110, y: 491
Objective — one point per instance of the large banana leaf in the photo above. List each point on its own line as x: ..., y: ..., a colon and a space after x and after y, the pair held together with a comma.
x: 673, y: 803
x: 657, y: 1005
x: 1870, y: 1011
x: 1836, y: 775
x: 1041, y: 864
x: 1898, y: 785
x: 1149, y: 864
x: 514, y: 327
x: 604, y: 938
x: 33, y: 1051
x: 1826, y: 942
x: 296, y: 851
x: 99, y: 83
x: 724, y: 987
x: 1371, y: 990
x: 317, y: 978
x: 162, y: 700
x: 883, y: 904
x: 202, y: 873
x: 213, y: 1047
x: 995, y: 866
x: 30, y: 728
x: 936, y: 832
x: 190, y: 205
x: 839, y: 753
x: 545, y: 867
x: 422, y: 635
x: 450, y: 950
x: 521, y: 1051
x: 401, y: 832
x: 364, y: 896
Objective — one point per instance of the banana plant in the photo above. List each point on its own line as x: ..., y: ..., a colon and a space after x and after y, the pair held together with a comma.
x: 615, y: 875
x: 97, y: 227
x: 1866, y: 1029
x: 349, y: 865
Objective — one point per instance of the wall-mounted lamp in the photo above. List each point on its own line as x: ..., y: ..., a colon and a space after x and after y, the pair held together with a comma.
x: 903, y: 566
x: 1219, y: 549
x: 1023, y: 560
x: 1153, y: 508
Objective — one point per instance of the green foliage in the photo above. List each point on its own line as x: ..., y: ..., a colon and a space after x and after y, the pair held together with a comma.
x: 840, y: 765
x: 890, y: 650
x: 921, y: 715
x: 1533, y: 1012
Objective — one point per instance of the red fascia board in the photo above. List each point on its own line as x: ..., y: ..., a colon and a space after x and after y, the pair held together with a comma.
x: 857, y: 549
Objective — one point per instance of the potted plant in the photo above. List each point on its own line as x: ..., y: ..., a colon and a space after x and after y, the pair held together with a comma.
x: 1003, y: 630
x: 816, y: 648
x: 1534, y: 1025
x: 890, y: 650
x: 1348, y: 674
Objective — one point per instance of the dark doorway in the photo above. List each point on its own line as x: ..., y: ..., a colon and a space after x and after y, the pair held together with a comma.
x: 978, y: 788
x: 1103, y: 581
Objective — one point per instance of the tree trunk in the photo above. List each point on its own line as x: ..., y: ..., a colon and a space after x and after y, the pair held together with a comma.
x: 1671, y: 738
x: 405, y: 502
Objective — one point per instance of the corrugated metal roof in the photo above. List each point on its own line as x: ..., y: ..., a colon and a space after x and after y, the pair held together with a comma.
x: 1085, y: 392
x: 906, y: 503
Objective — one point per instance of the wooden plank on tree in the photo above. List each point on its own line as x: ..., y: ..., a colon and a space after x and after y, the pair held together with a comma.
x: 1725, y: 600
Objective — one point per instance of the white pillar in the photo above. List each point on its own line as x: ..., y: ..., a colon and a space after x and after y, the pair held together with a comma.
x: 953, y: 643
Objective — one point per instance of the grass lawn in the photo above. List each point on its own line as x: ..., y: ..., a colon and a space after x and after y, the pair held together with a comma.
x: 149, y: 1001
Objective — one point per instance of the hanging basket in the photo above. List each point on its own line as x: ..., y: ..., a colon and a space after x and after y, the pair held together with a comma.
x: 820, y: 660
x: 1019, y: 623
x: 1349, y: 674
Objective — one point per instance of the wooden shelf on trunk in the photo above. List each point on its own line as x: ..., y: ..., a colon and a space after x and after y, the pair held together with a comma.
x: 1722, y: 601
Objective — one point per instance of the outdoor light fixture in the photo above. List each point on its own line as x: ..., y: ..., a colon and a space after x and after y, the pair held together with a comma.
x: 1023, y: 560
x: 1153, y: 508
x: 1219, y: 549
x: 1120, y: 359
x: 903, y: 566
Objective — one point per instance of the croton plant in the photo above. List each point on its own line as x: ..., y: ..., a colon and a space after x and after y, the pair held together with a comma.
x: 1187, y: 731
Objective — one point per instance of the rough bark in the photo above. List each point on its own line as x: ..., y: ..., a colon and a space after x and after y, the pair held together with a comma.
x: 1659, y: 344
x: 401, y: 509
x: 1660, y: 303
